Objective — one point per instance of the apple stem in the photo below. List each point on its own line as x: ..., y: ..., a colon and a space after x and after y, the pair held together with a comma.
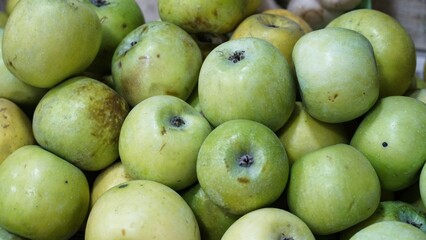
x: 245, y: 161
x: 177, y: 121
x: 237, y: 56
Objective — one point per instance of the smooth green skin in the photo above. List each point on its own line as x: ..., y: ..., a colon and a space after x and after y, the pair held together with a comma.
x: 5, y: 235
x: 10, y: 5
x: 212, y: 220
x: 268, y: 224
x: 390, y: 211
x: 337, y: 74
x: 152, y: 146
x: 42, y: 196
x: 14, y: 89
x: 42, y: 59
x: 419, y: 94
x: 141, y: 209
x: 156, y: 58
x: 422, y: 185
x: 392, y: 136
x: 118, y: 18
x: 303, y: 134
x: 333, y: 188
x: 389, y: 230
x: 238, y: 188
x: 216, y: 16
x: 258, y: 87
x: 80, y: 121
x: 394, y: 49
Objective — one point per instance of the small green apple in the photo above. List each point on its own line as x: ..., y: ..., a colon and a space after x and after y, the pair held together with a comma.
x: 337, y: 74
x: 141, y: 209
x: 160, y: 140
x: 212, y: 220
x: 268, y: 224
x: 246, y: 78
x: 242, y: 165
x: 80, y: 121
x: 64, y: 43
x: 389, y: 230
x: 118, y: 18
x: 156, y: 58
x: 392, y: 136
x: 333, y: 188
x: 394, y: 50
x: 42, y: 196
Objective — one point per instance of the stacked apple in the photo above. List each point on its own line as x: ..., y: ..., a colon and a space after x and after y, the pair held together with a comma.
x: 218, y: 121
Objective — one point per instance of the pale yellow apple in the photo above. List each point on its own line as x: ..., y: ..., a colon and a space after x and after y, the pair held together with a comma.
x: 286, y: 13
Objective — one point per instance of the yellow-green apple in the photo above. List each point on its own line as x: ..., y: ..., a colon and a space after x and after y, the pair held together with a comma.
x: 212, y: 220
x: 118, y: 18
x: 389, y: 230
x: 392, y: 136
x: 42, y: 196
x: 109, y: 177
x: 10, y: 5
x: 141, y: 209
x: 390, y: 211
x: 337, y: 74
x: 15, y: 128
x: 393, y: 47
x: 333, y: 188
x: 251, y: 78
x: 242, y: 166
x: 156, y: 58
x: 80, y: 120
x: 286, y: 13
x: 268, y: 224
x: 252, y: 6
x: 160, y: 139
x: 3, y: 18
x: 279, y: 30
x: 198, y: 16
x: 62, y: 45
x: 303, y: 134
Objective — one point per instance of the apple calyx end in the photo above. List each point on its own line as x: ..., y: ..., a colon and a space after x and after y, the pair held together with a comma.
x: 177, y: 121
x: 237, y: 56
x: 245, y: 160
x: 100, y: 3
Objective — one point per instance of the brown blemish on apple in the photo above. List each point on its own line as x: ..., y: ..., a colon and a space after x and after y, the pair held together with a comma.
x: 333, y: 97
x: 162, y: 146
x: 158, y: 55
x: 163, y: 131
x: 123, y: 232
x: 171, y: 93
x: 243, y: 180
x: 124, y: 25
x: 237, y: 56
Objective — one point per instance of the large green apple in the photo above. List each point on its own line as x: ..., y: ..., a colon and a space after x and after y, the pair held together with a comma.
x: 268, y: 224
x: 303, y: 134
x: 160, y: 140
x: 333, y: 188
x: 337, y: 74
x: 118, y: 18
x: 42, y: 196
x: 156, y: 58
x: 389, y: 230
x: 197, y: 16
x: 394, y: 49
x: 247, y: 78
x: 48, y: 41
x: 141, y: 209
x: 213, y: 220
x: 392, y: 136
x: 242, y: 165
x: 80, y: 121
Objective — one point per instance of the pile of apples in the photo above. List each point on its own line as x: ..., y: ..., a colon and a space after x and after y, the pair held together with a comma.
x: 216, y: 121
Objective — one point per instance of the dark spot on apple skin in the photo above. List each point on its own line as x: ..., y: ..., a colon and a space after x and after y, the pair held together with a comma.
x: 243, y: 180
x: 124, y: 25
x: 162, y: 146
x: 120, y: 65
x: 384, y: 144
x: 171, y: 93
x: 245, y: 160
x: 158, y: 55
x: 66, y: 181
x: 123, y: 185
x: 100, y: 3
x: 123, y: 232
x: 177, y: 121
x: 163, y: 131
x: 237, y: 56
x: 333, y: 97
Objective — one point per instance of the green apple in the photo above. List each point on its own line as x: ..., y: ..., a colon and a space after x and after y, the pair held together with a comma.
x: 303, y: 134
x: 5, y: 235
x: 247, y: 78
x: 80, y: 121
x: 337, y: 74
x: 198, y: 16
x: 3, y: 18
x: 422, y: 184
x: 394, y: 49
x: 242, y: 166
x: 268, y: 224
x: 389, y: 230
x: 118, y: 18
x: 10, y: 5
x: 390, y: 211
x: 42, y: 196
x: 333, y: 188
x: 212, y: 220
x: 392, y: 136
x: 156, y: 58
x: 160, y: 139
x: 141, y: 209
x: 15, y: 128
x: 62, y: 45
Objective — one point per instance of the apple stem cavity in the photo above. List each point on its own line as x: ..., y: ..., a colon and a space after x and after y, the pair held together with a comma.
x: 245, y: 160
x: 237, y: 56
x: 99, y: 3
x: 177, y: 121
x: 283, y: 237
